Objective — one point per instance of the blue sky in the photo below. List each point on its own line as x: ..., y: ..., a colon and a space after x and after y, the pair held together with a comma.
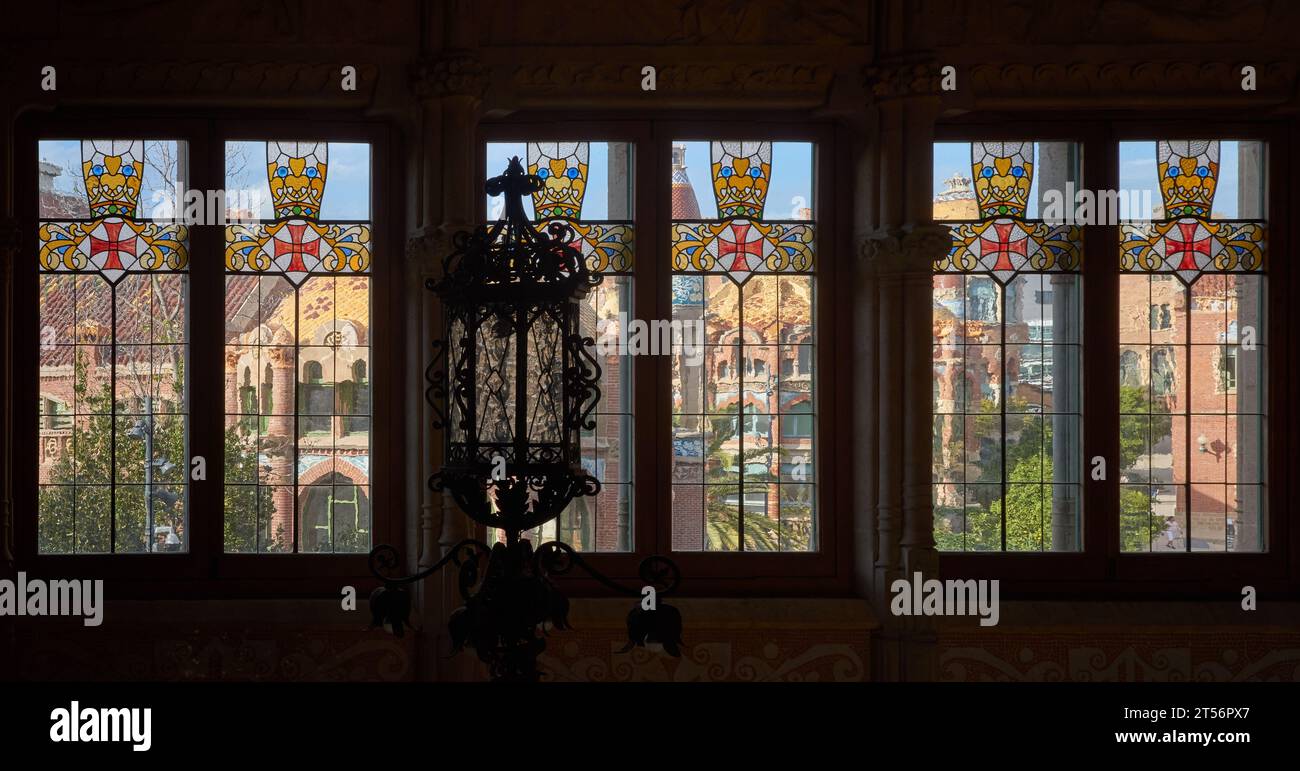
x: 1137, y: 172
x: 347, y: 185
x: 792, y: 165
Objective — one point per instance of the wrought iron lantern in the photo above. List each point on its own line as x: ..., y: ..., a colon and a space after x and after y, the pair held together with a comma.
x: 523, y: 382
x: 517, y: 388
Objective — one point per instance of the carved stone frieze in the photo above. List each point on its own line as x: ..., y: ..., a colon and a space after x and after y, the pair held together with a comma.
x: 1119, y: 655
x: 213, y: 652
x: 796, y: 82
x: 701, y: 23
x: 726, y: 658
x: 1149, y: 83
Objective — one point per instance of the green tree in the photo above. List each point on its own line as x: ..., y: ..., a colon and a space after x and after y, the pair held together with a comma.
x: 77, y: 506
x: 761, y: 533
x: 1029, y: 505
x: 1135, y: 520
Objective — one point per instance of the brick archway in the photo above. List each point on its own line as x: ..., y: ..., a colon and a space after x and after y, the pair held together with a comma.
x: 325, y: 468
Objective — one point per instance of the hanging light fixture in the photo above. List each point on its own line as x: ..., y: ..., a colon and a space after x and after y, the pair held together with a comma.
x: 518, y: 387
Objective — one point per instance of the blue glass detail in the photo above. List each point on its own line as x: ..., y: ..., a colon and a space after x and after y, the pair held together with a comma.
x: 282, y: 172
x: 572, y: 173
x: 96, y: 169
x: 543, y: 173
x: 128, y: 171
x: 987, y: 172
x: 1017, y: 171
x: 726, y: 171
x: 755, y: 172
x: 1202, y: 171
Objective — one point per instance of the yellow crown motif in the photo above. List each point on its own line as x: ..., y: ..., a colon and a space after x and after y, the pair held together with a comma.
x: 112, y: 169
x: 741, y: 174
x: 562, y: 167
x: 1189, y: 175
x: 1003, y: 173
x: 296, y: 173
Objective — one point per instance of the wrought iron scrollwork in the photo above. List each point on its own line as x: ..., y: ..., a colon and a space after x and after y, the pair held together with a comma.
x: 436, y: 392
x: 513, y: 384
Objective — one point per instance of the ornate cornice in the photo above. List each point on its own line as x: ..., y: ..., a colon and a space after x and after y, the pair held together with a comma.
x: 214, y: 80
x: 456, y: 74
x: 907, y: 249
x: 1123, y: 83
x: 715, y: 82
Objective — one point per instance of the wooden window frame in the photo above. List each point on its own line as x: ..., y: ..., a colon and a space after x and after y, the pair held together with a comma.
x: 828, y: 570
x: 1099, y: 569
x: 206, y: 570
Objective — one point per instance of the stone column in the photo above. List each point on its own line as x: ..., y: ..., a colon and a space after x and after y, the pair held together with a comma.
x: 897, y: 247
x: 231, y: 378
x: 278, y: 442
x: 450, y: 88
x: 1056, y: 172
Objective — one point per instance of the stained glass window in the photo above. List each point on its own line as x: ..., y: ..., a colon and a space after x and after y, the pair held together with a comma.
x: 1007, y: 350
x: 588, y: 185
x: 113, y: 453
x: 1192, y: 342
x: 298, y: 347
x: 744, y: 389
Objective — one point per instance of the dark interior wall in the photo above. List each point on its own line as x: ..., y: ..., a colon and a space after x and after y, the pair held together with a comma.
x: 430, y: 73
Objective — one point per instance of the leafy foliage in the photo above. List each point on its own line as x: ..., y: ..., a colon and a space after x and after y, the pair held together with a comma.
x: 77, y: 506
x: 722, y: 525
x: 1029, y: 505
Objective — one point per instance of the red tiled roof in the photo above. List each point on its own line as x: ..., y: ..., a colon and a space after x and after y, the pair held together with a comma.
x: 78, y: 308
x: 55, y: 205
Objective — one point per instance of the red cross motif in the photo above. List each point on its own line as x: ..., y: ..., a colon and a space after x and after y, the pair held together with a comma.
x: 1003, y: 247
x: 295, y: 248
x: 1189, y: 247
x: 741, y: 248
x: 114, y: 245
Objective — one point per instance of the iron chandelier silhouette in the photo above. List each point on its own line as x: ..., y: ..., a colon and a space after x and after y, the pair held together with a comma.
x: 517, y: 386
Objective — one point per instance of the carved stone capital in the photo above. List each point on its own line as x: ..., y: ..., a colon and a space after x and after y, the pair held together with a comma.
x: 456, y: 74
x: 427, y: 247
x: 907, y: 249
x: 896, y: 80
